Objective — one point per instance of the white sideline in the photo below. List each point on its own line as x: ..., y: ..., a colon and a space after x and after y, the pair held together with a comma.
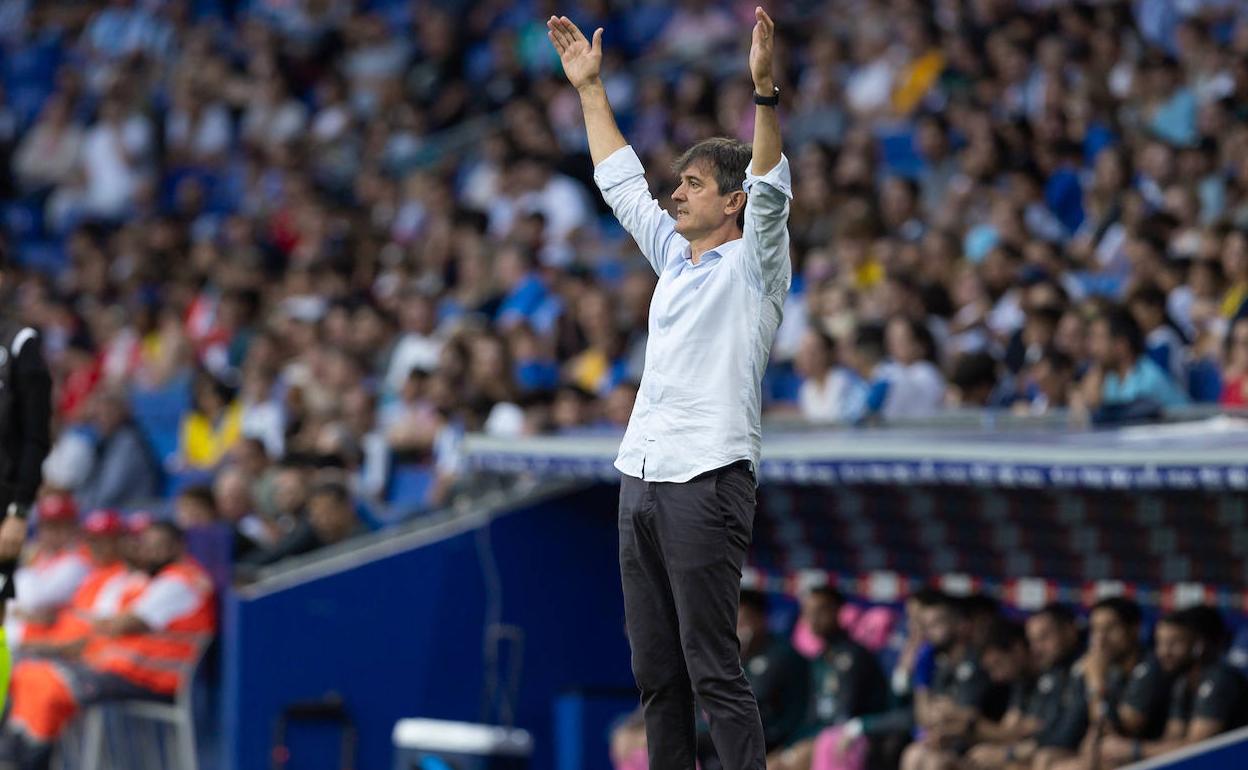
x: 1217, y: 742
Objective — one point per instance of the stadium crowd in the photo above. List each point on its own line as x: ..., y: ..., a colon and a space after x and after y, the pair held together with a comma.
x: 955, y: 683
x: 283, y: 253
x: 310, y: 242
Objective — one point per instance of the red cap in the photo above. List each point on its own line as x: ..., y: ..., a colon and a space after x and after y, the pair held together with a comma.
x: 59, y: 506
x: 138, y: 521
x: 104, y: 523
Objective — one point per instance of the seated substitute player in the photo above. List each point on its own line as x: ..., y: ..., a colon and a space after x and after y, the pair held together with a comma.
x: 779, y: 677
x: 1209, y: 695
x: 960, y: 692
x: 1053, y: 642
x: 846, y: 680
x: 1119, y: 688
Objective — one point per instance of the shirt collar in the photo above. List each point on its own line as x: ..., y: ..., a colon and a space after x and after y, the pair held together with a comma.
x: 728, y: 247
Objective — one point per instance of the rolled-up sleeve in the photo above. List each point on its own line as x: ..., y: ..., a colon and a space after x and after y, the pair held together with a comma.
x: 622, y: 180
x: 766, y: 226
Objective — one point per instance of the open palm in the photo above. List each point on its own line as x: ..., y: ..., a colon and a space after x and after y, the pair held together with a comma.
x: 582, y: 60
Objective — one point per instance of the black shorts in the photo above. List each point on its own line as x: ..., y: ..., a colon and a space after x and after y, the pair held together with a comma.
x: 7, y: 568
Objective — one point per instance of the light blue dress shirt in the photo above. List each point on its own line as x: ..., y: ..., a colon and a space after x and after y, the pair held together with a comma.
x: 699, y: 406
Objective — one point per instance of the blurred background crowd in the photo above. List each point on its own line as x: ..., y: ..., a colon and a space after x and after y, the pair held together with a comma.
x: 275, y: 243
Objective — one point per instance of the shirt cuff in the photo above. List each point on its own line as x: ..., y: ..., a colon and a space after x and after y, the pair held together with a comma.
x: 778, y: 178
x: 618, y: 167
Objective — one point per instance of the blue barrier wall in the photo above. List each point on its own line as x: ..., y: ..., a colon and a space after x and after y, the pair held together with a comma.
x: 401, y: 636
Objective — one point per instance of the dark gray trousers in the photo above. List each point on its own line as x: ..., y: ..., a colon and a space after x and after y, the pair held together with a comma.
x: 682, y: 546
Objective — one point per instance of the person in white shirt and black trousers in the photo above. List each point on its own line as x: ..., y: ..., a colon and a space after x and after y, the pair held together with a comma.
x: 690, y: 455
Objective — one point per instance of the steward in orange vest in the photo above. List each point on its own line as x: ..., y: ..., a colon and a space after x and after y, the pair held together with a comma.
x: 145, y: 652
x: 110, y: 583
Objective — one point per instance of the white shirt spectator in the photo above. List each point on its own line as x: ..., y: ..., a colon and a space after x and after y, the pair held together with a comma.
x: 112, y: 156
x: 825, y: 402
x: 915, y: 390
x: 202, y: 136
x: 48, y: 155
x: 412, y: 351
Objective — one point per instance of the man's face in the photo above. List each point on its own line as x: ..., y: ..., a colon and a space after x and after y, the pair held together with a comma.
x: 105, y: 549
x: 821, y: 613
x: 1049, y: 641
x: 751, y: 624
x: 1108, y: 635
x: 55, y: 535
x: 700, y: 208
x: 156, y: 549
x: 1174, y: 647
x: 288, y: 490
x: 1101, y: 344
x: 938, y: 626
x: 331, y: 518
x: 1004, y: 666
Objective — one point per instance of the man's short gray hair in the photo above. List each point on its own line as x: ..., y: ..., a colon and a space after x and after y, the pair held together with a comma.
x: 726, y: 159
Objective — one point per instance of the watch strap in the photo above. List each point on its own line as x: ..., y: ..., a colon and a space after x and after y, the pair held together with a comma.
x: 768, y: 101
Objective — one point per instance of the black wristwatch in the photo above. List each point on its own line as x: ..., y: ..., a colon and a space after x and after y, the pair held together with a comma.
x: 18, y: 510
x: 768, y: 101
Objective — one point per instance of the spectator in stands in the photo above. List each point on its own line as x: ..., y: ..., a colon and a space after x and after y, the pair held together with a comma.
x: 1122, y: 374
x: 125, y: 471
x: 973, y: 382
x: 1118, y: 689
x: 48, y: 156
x: 1163, y: 342
x: 866, y: 397
x: 1049, y: 383
x: 418, y: 346
x: 54, y: 568
x: 130, y: 656
x: 825, y: 386
x: 1235, y: 365
x: 846, y: 682
x: 916, y: 388
x: 195, y: 507
x: 212, y: 427
x: 231, y: 491
x: 330, y: 519
x: 1209, y: 695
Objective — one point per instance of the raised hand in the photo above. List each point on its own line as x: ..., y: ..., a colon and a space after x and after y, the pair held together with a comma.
x: 582, y: 60
x: 761, y: 48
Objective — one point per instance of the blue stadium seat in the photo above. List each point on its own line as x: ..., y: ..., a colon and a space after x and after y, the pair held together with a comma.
x: 1238, y: 654
x: 899, y: 154
x: 410, y: 485
x: 46, y: 256
x: 1204, y: 381
x: 24, y: 219
x: 159, y: 414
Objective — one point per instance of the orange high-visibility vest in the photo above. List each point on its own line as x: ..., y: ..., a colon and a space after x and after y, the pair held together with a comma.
x: 74, y: 622
x: 43, y: 561
x: 157, y: 660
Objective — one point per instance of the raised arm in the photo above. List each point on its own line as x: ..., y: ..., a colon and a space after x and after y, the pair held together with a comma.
x: 582, y: 63
x: 767, y: 180
x: 617, y: 169
x: 766, y: 122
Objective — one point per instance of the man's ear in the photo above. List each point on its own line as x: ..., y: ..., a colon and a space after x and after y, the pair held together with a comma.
x: 736, y: 202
